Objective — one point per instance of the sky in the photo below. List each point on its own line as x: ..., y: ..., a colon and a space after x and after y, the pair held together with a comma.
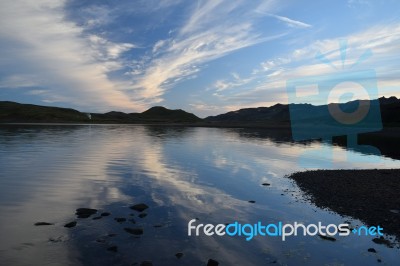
x: 206, y: 57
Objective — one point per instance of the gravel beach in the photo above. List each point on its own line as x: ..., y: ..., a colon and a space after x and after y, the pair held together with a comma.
x: 372, y: 196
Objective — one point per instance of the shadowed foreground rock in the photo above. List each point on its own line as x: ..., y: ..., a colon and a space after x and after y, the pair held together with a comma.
x: 371, y: 196
x: 85, y: 212
x: 139, y: 207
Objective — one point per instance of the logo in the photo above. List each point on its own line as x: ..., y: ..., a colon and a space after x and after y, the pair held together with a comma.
x: 279, y: 229
x: 344, y: 103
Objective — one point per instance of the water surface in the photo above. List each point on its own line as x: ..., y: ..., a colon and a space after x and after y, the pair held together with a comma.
x: 182, y: 173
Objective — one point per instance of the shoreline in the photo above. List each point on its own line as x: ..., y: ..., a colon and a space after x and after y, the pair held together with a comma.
x: 370, y: 195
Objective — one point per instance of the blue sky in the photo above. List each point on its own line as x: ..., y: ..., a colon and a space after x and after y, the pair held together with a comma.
x: 206, y: 57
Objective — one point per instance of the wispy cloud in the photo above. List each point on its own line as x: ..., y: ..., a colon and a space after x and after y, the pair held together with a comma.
x: 272, y: 74
x: 209, y: 32
x: 221, y: 85
x: 288, y: 21
x: 37, y: 42
x: 291, y: 22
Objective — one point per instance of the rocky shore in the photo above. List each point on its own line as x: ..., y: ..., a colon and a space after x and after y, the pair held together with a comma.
x: 371, y: 196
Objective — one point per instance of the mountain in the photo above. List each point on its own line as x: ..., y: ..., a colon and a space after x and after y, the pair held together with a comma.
x: 12, y: 112
x: 161, y: 114
x: 390, y: 111
x: 275, y: 116
x: 16, y: 112
x: 279, y: 114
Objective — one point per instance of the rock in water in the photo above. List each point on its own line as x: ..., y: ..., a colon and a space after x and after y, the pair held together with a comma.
x: 85, y: 212
x: 212, y: 262
x: 382, y: 241
x: 142, y: 215
x: 70, y: 224
x: 146, y: 263
x: 105, y: 214
x: 42, y: 223
x: 327, y: 238
x: 179, y: 255
x: 139, y: 207
x: 372, y: 250
x: 113, y: 249
x: 134, y: 231
x: 120, y: 219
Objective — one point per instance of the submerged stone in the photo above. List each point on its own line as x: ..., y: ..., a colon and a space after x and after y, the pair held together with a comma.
x: 134, y: 231
x: 113, y: 249
x: 139, y: 207
x: 70, y: 224
x: 142, y: 215
x: 372, y: 250
x: 212, y: 262
x: 120, y: 219
x: 85, y: 212
x: 329, y: 238
x: 42, y: 223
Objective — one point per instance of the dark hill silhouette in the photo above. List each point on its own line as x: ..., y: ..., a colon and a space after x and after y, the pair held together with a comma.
x: 11, y: 112
x: 159, y: 113
x: 16, y: 112
x: 278, y: 114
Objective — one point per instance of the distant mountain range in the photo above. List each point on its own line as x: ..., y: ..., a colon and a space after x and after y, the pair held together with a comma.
x: 276, y: 115
x: 11, y: 112
x: 279, y: 114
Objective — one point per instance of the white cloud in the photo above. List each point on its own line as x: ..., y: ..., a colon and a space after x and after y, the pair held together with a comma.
x: 38, y: 41
x: 210, y: 32
x: 383, y: 40
x: 19, y: 81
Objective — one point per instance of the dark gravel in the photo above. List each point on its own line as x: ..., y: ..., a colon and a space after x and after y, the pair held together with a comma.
x: 373, y: 196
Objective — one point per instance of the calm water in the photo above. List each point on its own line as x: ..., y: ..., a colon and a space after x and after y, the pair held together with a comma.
x: 48, y: 171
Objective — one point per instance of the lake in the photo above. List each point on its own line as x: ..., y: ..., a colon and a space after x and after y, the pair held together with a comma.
x: 181, y: 173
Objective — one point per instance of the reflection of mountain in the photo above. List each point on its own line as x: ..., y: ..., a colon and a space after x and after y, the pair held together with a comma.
x: 275, y: 120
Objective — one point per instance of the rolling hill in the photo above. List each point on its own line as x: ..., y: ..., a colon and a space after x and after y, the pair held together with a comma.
x: 12, y: 112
